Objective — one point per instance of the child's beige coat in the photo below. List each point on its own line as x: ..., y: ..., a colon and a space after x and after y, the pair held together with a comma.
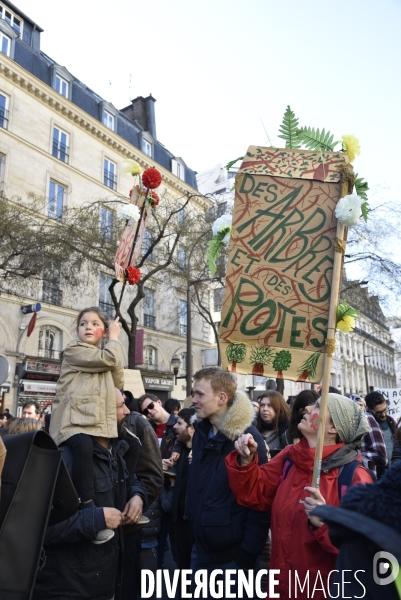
x: 85, y: 396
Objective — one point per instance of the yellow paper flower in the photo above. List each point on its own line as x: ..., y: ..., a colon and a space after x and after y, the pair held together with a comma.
x: 131, y: 166
x: 346, y: 324
x: 351, y: 146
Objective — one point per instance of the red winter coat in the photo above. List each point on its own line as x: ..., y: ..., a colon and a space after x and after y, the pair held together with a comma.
x: 296, y: 545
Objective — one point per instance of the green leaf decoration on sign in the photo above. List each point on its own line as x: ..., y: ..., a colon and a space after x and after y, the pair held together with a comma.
x: 345, y: 310
x: 215, y: 247
x: 232, y: 162
x: 289, y: 129
x: 361, y: 188
x: 260, y: 356
x: 364, y: 210
x: 282, y: 361
x: 314, y: 139
x: 236, y: 353
x: 308, y: 368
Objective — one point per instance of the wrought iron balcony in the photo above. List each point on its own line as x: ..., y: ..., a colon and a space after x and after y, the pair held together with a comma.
x: 60, y: 151
x: 149, y: 321
x: 52, y: 295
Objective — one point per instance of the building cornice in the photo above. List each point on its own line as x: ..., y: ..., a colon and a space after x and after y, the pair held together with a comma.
x: 45, y: 94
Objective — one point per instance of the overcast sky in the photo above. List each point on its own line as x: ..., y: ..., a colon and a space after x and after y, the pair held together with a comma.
x: 223, y: 71
x: 221, y: 68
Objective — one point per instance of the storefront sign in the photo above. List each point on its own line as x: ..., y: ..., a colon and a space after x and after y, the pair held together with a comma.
x: 39, y: 388
x: 158, y: 383
x: 40, y: 371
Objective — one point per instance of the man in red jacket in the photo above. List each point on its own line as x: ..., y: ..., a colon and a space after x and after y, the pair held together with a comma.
x: 301, y: 548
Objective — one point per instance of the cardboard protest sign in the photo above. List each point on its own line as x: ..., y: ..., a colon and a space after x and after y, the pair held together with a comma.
x: 133, y: 382
x: 278, y: 285
x: 392, y: 397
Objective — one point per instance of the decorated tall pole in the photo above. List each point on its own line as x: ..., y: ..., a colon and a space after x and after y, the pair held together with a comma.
x: 143, y: 199
x: 347, y: 185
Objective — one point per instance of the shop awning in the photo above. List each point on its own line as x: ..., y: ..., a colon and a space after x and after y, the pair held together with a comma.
x: 38, y: 387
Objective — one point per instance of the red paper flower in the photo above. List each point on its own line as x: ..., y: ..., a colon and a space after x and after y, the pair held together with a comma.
x: 154, y: 199
x: 151, y: 178
x: 133, y: 275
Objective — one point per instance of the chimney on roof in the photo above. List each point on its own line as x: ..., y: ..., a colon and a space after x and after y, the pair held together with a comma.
x: 142, y: 110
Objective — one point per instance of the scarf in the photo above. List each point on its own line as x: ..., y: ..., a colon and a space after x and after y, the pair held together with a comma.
x: 348, y: 418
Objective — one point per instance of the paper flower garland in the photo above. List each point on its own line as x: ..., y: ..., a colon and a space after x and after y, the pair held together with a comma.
x: 151, y: 178
x: 130, y: 212
x: 221, y: 235
x: 346, y: 317
x: 133, y: 275
x: 348, y: 210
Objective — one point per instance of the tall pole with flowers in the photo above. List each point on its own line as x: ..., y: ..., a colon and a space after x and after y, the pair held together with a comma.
x: 143, y: 199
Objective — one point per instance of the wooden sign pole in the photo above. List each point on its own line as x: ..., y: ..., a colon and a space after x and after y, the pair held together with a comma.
x: 347, y: 185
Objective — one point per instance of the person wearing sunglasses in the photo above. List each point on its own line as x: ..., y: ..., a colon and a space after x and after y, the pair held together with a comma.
x: 377, y: 407
x: 162, y: 422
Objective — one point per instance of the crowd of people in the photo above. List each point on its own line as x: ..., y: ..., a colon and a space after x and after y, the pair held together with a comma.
x: 225, y: 483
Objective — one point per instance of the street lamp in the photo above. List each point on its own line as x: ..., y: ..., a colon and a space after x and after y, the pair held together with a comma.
x: 176, y: 363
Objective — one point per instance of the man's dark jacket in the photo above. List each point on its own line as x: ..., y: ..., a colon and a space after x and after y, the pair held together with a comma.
x: 75, y: 568
x: 168, y: 439
x: 149, y: 468
x: 222, y: 529
x: 170, y: 495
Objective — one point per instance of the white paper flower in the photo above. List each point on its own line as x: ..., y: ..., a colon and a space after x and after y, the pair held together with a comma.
x: 223, y: 222
x: 130, y: 211
x: 348, y: 210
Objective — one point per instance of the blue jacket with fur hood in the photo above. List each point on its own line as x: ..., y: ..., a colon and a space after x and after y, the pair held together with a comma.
x: 222, y: 529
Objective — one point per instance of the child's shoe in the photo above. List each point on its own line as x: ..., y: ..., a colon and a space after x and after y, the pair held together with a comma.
x: 103, y: 536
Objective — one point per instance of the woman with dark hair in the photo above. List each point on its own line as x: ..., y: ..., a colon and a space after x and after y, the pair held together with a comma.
x: 298, y: 409
x: 272, y: 420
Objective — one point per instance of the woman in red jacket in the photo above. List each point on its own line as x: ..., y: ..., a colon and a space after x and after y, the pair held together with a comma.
x: 301, y: 548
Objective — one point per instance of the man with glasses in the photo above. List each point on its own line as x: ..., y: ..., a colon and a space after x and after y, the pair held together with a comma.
x: 378, y: 408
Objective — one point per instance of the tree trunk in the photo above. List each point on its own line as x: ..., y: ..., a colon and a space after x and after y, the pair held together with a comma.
x: 280, y: 386
x: 131, y: 351
x: 218, y: 354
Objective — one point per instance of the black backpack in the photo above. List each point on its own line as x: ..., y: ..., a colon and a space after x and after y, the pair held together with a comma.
x: 36, y: 491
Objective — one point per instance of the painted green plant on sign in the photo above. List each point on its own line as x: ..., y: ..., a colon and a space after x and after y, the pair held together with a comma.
x: 282, y: 362
x: 260, y: 356
x: 236, y: 353
x: 308, y: 368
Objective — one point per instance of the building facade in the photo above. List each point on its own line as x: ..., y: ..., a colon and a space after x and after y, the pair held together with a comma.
x: 60, y: 141
x: 364, y: 358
